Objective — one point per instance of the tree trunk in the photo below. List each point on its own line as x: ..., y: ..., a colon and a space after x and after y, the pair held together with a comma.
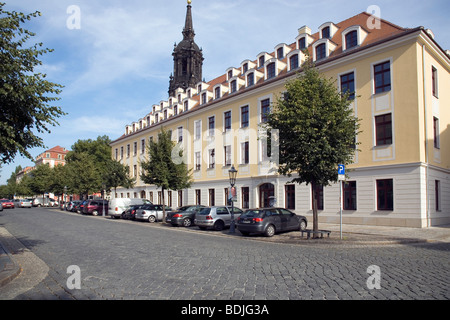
x: 314, y: 205
x: 164, y: 207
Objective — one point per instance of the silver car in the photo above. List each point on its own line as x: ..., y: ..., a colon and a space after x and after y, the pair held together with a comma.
x: 217, y: 217
x: 151, y: 212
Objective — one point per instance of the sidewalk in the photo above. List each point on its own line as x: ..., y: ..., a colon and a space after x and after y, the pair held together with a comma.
x: 352, y: 235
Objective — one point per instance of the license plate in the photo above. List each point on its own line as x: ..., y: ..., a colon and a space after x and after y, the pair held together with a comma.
x: 246, y: 221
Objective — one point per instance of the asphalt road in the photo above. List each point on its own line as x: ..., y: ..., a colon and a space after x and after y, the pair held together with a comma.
x: 94, y: 258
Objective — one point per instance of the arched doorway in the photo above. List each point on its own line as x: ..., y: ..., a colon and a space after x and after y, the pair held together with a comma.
x: 266, y: 191
x: 143, y: 194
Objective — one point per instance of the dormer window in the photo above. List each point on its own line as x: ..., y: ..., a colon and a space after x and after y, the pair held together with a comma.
x: 217, y: 93
x: 293, y: 62
x: 244, y: 67
x: 262, y: 60
x: 186, y: 105
x: 280, y: 53
x: 199, y: 88
x: 204, y: 100
x: 250, y: 79
x: 302, y: 43
x: 326, y: 33
x: 233, y: 86
x: 353, y: 37
x: 321, y: 52
x: 271, y: 70
x: 175, y: 110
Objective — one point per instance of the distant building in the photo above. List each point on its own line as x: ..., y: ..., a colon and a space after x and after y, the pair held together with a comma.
x: 54, y: 156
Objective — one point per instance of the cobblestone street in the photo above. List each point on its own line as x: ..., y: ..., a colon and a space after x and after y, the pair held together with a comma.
x: 137, y: 260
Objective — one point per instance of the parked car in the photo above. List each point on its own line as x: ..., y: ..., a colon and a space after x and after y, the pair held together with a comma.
x: 72, y: 207
x: 269, y: 221
x: 151, y: 212
x: 80, y: 206
x: 44, y: 202
x: 118, y: 206
x: 95, y: 207
x: 130, y: 213
x: 22, y: 203
x: 183, y: 216
x: 7, y: 204
x: 217, y: 217
x: 1, y: 207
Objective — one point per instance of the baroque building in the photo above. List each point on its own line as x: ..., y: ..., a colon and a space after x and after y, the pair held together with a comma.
x: 400, y: 175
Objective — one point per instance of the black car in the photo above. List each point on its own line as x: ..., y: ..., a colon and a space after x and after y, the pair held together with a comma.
x: 268, y: 221
x: 184, y: 216
x: 130, y: 213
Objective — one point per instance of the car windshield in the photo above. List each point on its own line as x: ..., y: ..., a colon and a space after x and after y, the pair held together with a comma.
x: 205, y: 211
x: 253, y: 213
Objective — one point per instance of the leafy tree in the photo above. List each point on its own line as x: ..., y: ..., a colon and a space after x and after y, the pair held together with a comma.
x: 41, y: 179
x: 116, y: 174
x: 82, y: 174
x: 161, y: 170
x: 319, y: 117
x: 25, y: 96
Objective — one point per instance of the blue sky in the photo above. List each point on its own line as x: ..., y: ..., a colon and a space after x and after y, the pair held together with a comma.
x: 118, y: 63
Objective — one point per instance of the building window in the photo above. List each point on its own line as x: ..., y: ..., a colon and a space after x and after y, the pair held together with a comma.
x: 227, y: 121
x: 117, y: 154
x: 204, y: 98
x: 225, y: 192
x: 250, y: 79
x: 293, y: 61
x: 265, y: 110
x: 198, y: 161
x: 326, y: 33
x: 319, y: 193
x: 211, y: 126
x: 245, y: 197
x: 385, y: 194
x: 217, y: 93
x: 351, y: 39
x: 198, y: 197
x: 212, y: 197
x: 348, y: 84
x: 290, y: 196
x: 227, y: 155
x: 302, y: 43
x: 142, y: 146
x: 121, y: 152
x: 382, y: 73
x: 383, y: 129
x: 135, y: 148
x: 186, y: 106
x: 128, y: 150
x: 321, y: 51
x: 150, y: 196
x: 262, y: 60
x: 437, y: 194
x: 271, y: 70
x: 244, y: 117
x: 436, y: 133
x: 180, y: 134
x: 280, y: 53
x: 198, y: 130
x: 212, y: 158
x: 233, y: 86
x: 244, y: 68
x: 434, y: 81
x: 244, y: 152
x: 175, y: 110
x: 349, y: 195
x: 169, y: 198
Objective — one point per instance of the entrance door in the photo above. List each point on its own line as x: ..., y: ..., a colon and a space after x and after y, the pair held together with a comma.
x: 266, y: 191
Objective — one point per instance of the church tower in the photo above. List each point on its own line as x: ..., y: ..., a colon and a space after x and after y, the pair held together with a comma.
x: 187, y: 58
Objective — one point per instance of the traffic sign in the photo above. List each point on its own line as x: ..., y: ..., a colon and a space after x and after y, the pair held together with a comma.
x: 341, y: 169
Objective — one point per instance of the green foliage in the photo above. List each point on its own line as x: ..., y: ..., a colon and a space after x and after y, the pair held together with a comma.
x: 161, y: 170
x: 25, y: 96
x: 317, y: 129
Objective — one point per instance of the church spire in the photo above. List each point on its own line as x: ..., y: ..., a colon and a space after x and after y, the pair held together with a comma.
x: 187, y: 58
x: 188, y: 31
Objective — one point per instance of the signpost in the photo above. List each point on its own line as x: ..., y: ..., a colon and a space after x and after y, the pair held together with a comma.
x: 341, y: 173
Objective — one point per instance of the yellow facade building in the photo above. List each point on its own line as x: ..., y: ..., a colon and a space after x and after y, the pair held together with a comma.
x: 400, y: 78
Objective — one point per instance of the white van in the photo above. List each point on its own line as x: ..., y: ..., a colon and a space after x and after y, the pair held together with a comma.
x: 117, y: 206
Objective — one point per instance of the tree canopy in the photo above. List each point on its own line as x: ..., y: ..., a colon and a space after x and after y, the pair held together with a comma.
x: 25, y: 96
x: 317, y: 130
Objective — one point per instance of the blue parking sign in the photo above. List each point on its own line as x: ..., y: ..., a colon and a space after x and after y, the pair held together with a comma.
x: 341, y: 169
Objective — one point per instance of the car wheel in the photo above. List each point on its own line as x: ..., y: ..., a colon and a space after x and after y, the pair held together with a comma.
x: 270, y: 230
x: 187, y: 222
x: 302, y: 225
x: 95, y: 213
x: 151, y: 219
x: 219, y: 225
